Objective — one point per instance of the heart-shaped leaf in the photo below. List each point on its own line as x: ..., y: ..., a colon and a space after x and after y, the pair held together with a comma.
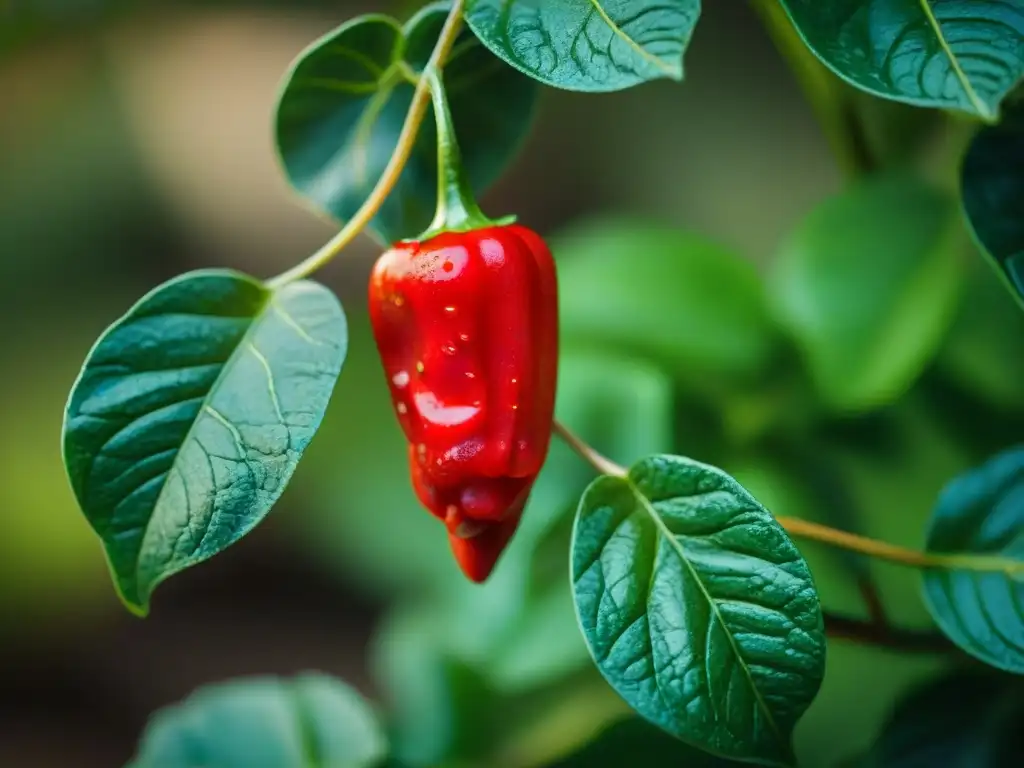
x: 190, y: 415
x: 264, y: 722
x: 966, y: 56
x: 868, y: 285
x: 588, y: 45
x: 992, y: 190
x: 697, y: 607
x: 982, y: 512
x: 345, y: 100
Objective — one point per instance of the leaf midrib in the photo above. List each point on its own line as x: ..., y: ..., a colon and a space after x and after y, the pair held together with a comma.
x: 664, y: 66
x: 954, y: 62
x: 667, y: 534
x: 207, y: 398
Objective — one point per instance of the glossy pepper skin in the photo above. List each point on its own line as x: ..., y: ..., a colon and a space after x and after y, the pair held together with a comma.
x: 466, y: 325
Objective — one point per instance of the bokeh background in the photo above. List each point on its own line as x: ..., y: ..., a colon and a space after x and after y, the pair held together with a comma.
x: 135, y: 144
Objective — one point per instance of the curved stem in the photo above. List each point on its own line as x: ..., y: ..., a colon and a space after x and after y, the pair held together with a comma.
x: 388, y: 179
x: 827, y: 95
x: 602, y: 464
x: 826, y: 535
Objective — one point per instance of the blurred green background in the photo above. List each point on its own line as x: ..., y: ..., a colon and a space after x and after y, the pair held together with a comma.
x: 135, y: 144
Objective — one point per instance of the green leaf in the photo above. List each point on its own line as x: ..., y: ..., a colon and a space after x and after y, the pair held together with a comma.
x: 868, y: 285
x: 697, y: 608
x: 992, y: 190
x: 634, y: 742
x: 786, y: 483
x: 964, y: 56
x: 265, y: 722
x: 982, y: 512
x: 440, y: 707
x: 684, y: 302
x: 190, y: 415
x: 961, y: 720
x: 588, y: 45
x: 345, y: 100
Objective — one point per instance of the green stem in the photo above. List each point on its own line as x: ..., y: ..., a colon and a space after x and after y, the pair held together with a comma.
x: 457, y: 208
x: 828, y: 96
x: 601, y: 464
x: 831, y: 536
x: 388, y: 179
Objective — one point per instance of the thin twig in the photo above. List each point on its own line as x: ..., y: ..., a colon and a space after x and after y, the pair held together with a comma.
x: 602, y: 464
x: 406, y: 141
x: 910, y: 557
x: 900, y: 639
x: 831, y: 536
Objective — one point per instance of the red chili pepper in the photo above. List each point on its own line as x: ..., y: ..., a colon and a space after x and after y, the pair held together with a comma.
x: 467, y: 329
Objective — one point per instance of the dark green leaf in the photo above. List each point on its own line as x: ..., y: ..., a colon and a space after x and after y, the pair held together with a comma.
x: 962, y: 720
x: 345, y: 100
x: 786, y: 484
x: 190, y: 415
x: 697, y: 608
x: 635, y: 742
x: 588, y: 45
x: 992, y: 188
x: 966, y: 56
x: 263, y: 722
x: 688, y: 303
x: 867, y: 285
x: 982, y: 512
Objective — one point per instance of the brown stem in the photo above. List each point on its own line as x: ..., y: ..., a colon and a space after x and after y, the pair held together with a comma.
x: 895, y: 638
x: 873, y: 602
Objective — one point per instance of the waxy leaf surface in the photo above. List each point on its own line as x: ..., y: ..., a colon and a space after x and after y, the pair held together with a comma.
x: 697, y: 608
x: 190, y: 415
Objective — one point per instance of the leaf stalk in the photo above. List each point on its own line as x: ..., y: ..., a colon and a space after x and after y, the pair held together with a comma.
x: 393, y: 170
x: 827, y: 95
x: 602, y: 464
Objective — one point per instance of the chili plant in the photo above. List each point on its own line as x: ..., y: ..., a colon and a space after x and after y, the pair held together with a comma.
x: 692, y: 595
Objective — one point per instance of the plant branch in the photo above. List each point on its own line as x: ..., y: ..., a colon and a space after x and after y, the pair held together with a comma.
x: 870, y: 633
x: 826, y: 93
x: 388, y: 179
x: 901, y: 555
x: 826, y: 535
x: 872, y: 600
